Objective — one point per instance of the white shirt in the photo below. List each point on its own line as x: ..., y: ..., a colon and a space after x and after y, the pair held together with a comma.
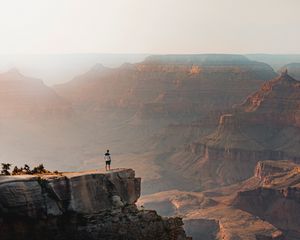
x: 107, y: 157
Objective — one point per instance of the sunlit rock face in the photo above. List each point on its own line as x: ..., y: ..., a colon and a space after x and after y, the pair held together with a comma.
x: 83, y: 193
x: 277, y: 103
x: 83, y: 205
x: 28, y: 98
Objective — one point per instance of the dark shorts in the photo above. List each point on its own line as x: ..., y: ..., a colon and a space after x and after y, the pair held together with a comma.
x: 107, y: 162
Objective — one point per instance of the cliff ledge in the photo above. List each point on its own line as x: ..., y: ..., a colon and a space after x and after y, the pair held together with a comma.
x: 82, y: 205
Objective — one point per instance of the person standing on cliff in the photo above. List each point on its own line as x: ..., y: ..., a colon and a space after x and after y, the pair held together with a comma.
x: 107, y: 159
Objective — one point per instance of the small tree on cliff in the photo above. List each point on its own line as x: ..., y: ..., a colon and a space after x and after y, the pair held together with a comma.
x: 27, y: 169
x: 17, y: 171
x: 40, y: 169
x: 5, y: 168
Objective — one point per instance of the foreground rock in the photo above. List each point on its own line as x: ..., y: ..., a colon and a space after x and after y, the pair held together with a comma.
x: 265, y: 206
x: 86, y: 205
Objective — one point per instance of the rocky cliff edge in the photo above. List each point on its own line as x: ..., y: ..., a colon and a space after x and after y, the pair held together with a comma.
x: 82, y: 205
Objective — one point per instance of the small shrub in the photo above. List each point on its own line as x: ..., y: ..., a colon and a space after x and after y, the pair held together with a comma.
x: 40, y: 169
x: 27, y: 169
x: 5, y: 168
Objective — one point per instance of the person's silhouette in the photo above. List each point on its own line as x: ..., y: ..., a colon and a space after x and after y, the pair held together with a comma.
x: 107, y: 159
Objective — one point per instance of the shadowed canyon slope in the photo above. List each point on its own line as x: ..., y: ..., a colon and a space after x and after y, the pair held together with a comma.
x: 265, y: 206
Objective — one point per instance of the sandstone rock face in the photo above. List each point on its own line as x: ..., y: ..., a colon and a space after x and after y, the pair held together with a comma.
x: 79, y: 193
x: 276, y: 102
x: 279, y: 207
x: 86, y: 205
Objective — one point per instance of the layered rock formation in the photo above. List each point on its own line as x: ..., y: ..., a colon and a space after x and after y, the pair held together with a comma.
x: 265, y: 126
x: 86, y: 205
x: 265, y: 206
x: 277, y: 199
x: 168, y: 86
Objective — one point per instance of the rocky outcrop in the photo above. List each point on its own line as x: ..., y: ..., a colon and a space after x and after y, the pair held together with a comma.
x: 277, y: 200
x: 279, y: 207
x: 268, y: 171
x: 293, y: 69
x: 277, y: 102
x: 86, y: 205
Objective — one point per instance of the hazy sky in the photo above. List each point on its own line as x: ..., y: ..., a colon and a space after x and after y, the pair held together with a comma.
x: 149, y: 26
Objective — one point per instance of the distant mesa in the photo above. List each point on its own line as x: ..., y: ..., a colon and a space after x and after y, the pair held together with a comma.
x: 98, y: 67
x: 199, y: 59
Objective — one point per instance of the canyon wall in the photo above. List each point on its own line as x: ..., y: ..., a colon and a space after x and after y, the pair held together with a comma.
x: 263, y: 127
